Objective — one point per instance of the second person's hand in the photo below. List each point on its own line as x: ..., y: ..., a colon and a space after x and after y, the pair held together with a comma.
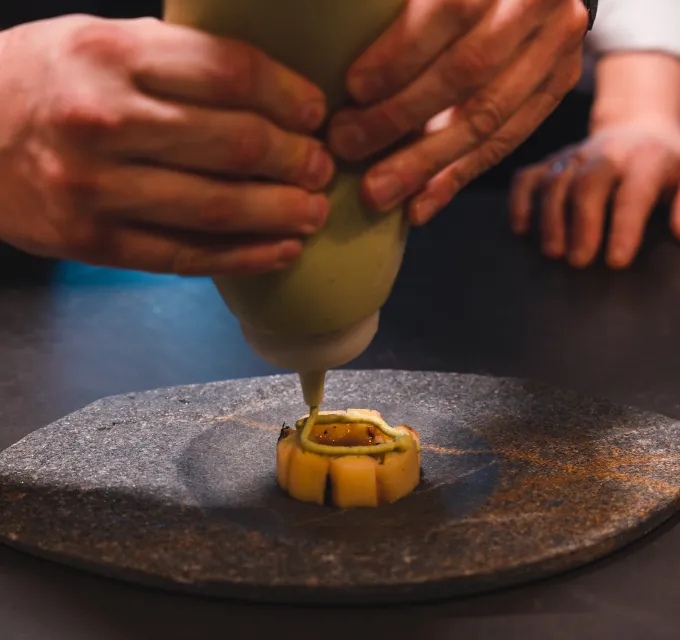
x: 143, y: 145
x: 632, y: 166
x: 631, y: 160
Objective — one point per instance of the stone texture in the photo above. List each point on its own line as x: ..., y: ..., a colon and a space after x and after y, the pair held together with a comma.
x: 176, y: 488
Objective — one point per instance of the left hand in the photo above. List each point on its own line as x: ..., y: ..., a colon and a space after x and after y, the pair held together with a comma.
x: 503, y: 65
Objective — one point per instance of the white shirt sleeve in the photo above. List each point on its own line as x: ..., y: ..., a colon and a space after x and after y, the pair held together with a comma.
x: 636, y: 25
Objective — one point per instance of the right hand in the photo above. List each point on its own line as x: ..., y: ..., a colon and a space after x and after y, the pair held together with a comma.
x: 148, y: 146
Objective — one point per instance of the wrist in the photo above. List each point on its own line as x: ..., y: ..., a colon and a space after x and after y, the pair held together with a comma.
x: 636, y: 87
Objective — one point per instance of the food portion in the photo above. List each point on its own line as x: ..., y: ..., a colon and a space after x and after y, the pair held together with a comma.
x: 347, y: 459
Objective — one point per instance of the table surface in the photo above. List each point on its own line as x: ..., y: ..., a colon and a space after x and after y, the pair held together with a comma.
x: 471, y: 298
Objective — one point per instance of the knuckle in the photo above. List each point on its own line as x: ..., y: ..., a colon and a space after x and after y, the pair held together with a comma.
x: 418, y: 167
x: 609, y: 151
x: 54, y: 171
x: 239, y: 71
x: 548, y: 183
x: 578, y: 22
x: 580, y: 185
x: 217, y: 212
x: 396, y: 118
x: 549, y: 97
x: 467, y: 67
x: 104, y: 41
x: 462, y: 13
x: 85, y: 116
x: 551, y: 179
x: 411, y: 53
x: 70, y: 193
x: 253, y: 145
x: 579, y: 196
x: 484, y: 117
x: 497, y: 149
x: 454, y: 181
x: 64, y: 179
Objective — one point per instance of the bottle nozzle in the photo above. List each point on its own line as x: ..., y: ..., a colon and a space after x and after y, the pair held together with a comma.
x: 312, y: 383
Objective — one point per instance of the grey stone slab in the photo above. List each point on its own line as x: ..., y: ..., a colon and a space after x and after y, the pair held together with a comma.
x: 176, y: 488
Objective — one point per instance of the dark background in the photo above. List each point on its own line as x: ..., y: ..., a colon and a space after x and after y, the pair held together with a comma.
x: 36, y: 9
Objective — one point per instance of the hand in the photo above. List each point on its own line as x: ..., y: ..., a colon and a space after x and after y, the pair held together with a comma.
x: 503, y: 65
x: 143, y: 145
x: 633, y: 165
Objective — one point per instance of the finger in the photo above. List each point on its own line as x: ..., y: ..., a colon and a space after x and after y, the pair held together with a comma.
x: 157, y: 251
x: 447, y: 183
x: 411, y: 169
x: 401, y: 53
x: 524, y: 187
x: 408, y: 170
x: 223, y: 142
x: 185, y: 201
x: 553, y: 214
x: 487, y: 97
x: 638, y: 193
x: 591, y: 189
x: 190, y: 66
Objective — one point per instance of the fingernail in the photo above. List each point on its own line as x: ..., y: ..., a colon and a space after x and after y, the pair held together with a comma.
x: 348, y: 140
x: 289, y: 250
x: 578, y: 258
x: 386, y: 189
x: 618, y: 258
x: 318, y: 212
x: 313, y: 114
x: 424, y: 209
x: 366, y: 85
x: 320, y: 169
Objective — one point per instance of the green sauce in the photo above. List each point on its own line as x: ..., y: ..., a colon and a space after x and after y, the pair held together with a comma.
x: 400, y: 439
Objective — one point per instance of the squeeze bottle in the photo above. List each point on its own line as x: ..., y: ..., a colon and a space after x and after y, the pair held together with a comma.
x: 323, y: 311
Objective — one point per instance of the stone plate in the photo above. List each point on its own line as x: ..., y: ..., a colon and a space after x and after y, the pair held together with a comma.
x: 176, y: 488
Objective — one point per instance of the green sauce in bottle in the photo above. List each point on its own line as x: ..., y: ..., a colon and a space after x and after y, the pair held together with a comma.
x: 323, y: 311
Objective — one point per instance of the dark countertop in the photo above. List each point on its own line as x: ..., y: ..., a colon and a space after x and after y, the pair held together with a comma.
x: 470, y: 298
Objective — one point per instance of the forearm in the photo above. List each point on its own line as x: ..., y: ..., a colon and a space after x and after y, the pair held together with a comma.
x: 640, y: 86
